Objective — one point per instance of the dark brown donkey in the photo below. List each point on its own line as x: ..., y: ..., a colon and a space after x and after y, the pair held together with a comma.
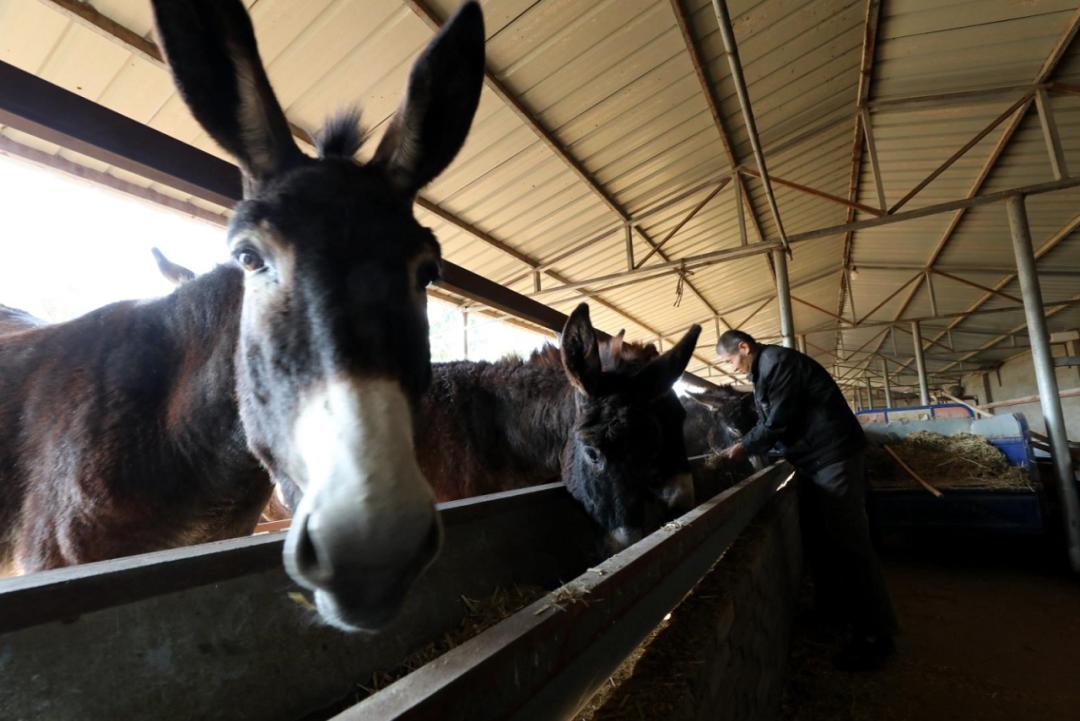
x: 600, y: 416
x: 120, y: 431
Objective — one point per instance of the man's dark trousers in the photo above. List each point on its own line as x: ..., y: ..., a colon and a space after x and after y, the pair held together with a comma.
x: 848, y: 582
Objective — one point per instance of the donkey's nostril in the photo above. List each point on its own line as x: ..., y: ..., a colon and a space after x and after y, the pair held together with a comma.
x: 308, y: 563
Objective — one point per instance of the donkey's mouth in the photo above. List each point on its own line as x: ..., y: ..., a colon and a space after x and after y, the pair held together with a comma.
x: 367, y: 599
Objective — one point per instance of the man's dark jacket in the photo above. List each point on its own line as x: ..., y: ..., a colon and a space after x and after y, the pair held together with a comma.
x: 801, y: 411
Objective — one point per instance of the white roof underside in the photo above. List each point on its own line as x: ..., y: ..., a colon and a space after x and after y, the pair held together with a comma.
x: 614, y: 85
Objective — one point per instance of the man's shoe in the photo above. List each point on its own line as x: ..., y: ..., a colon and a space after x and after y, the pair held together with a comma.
x: 865, y: 653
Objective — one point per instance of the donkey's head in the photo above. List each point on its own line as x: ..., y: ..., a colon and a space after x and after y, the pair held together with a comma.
x: 733, y: 411
x: 626, y: 451
x: 333, y: 349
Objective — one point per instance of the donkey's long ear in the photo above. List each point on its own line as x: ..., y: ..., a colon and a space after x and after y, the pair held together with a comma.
x: 211, y: 49
x: 581, y: 352
x: 173, y: 272
x: 657, y: 378
x: 444, y: 89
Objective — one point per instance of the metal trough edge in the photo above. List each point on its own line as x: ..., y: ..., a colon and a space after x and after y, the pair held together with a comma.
x: 546, y: 660
x: 66, y: 593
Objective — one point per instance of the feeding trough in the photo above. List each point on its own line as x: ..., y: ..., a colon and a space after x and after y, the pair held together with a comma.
x: 976, y: 498
x: 214, y: 631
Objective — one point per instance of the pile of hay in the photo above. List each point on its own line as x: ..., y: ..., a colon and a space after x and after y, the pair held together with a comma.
x: 961, y: 461
x: 480, y: 615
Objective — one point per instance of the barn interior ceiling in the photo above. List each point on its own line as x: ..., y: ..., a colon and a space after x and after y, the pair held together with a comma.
x: 612, y: 159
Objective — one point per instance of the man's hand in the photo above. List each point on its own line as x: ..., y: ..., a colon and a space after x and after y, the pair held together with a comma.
x: 735, y: 452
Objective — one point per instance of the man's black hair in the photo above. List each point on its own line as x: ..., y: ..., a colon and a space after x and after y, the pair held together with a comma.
x: 730, y: 340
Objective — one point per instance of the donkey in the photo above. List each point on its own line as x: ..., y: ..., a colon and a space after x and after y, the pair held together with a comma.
x: 716, y: 419
x: 146, y: 425
x: 593, y: 415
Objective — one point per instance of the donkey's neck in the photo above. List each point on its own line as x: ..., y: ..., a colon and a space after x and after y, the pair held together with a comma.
x: 486, y: 427
x: 201, y: 320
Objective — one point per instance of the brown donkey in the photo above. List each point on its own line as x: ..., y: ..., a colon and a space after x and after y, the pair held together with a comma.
x: 129, y: 429
x: 600, y: 416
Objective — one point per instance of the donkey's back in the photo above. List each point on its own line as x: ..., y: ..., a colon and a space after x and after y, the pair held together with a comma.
x: 119, y: 432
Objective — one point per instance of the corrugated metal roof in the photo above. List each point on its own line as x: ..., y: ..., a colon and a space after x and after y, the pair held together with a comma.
x: 613, y: 86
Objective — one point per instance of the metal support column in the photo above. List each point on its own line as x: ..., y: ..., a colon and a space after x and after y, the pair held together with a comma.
x: 920, y: 363
x: 783, y: 297
x: 869, y: 393
x: 885, y: 381
x: 1043, y: 360
x: 465, y: 334
x: 858, y: 398
x: 801, y: 338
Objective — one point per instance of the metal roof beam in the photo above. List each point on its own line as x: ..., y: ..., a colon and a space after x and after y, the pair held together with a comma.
x: 718, y: 123
x: 1050, y: 312
x: 937, y: 209
x: 815, y: 192
x: 1021, y: 104
x: 944, y: 316
x: 554, y: 144
x: 860, y: 138
x: 731, y: 49
x: 1050, y: 63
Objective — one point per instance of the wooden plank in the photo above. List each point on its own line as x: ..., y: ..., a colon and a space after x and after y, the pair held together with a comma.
x: 907, y: 469
x: 546, y: 660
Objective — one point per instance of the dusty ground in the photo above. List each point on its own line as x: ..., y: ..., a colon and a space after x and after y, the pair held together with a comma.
x: 991, y: 632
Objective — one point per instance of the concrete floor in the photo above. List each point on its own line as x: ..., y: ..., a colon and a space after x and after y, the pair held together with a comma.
x: 991, y: 632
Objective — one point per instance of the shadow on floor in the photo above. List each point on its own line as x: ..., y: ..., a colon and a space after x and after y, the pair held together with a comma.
x: 990, y: 632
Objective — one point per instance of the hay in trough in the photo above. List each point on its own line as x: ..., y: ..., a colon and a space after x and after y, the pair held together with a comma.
x: 965, y: 460
x: 480, y: 615
x: 724, y: 470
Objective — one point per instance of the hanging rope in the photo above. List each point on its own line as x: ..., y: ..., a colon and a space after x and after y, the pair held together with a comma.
x: 680, y: 284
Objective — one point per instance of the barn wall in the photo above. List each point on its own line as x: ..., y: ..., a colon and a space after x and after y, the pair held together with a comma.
x: 1016, y: 378
x: 724, y: 653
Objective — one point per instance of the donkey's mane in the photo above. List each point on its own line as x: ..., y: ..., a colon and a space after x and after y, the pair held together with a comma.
x: 342, y: 135
x: 631, y: 359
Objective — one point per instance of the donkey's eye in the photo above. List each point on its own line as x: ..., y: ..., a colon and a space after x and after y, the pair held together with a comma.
x: 593, y: 456
x: 427, y: 273
x: 249, y: 259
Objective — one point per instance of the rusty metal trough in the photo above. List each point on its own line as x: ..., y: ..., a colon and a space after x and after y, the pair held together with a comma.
x: 210, y: 631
